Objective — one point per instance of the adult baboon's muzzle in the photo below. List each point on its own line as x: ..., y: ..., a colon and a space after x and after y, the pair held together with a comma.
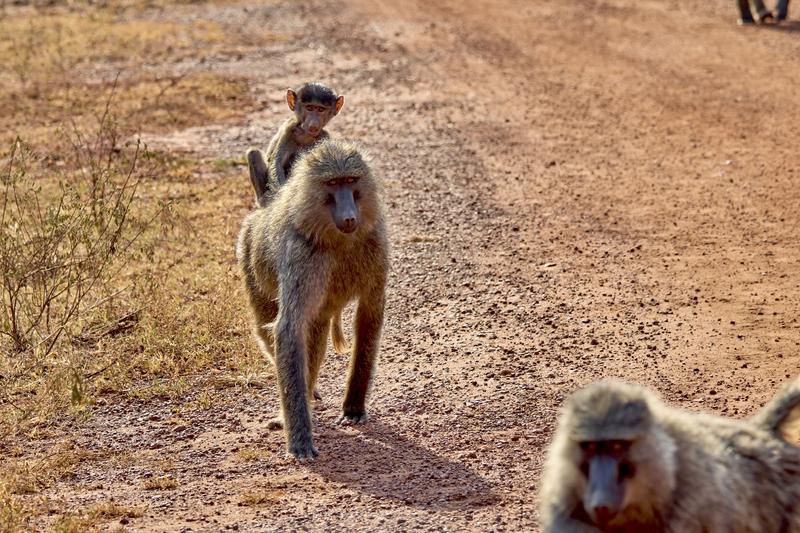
x: 346, y: 214
x: 605, y: 492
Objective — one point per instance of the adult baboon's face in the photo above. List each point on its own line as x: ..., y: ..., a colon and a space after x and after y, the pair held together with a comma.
x: 343, y: 195
x: 608, y: 468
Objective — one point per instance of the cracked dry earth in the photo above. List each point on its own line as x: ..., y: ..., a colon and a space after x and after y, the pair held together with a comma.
x: 576, y: 190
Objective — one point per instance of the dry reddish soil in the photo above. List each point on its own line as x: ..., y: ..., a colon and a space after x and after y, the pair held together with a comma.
x: 576, y: 189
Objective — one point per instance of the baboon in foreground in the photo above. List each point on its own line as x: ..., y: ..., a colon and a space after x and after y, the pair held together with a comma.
x: 313, y: 105
x: 319, y: 243
x: 622, y: 461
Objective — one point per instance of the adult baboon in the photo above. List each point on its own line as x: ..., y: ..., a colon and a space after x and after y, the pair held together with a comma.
x: 313, y: 105
x: 622, y: 461
x: 319, y: 244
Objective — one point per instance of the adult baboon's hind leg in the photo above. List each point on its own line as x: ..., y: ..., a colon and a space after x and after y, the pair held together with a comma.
x: 317, y: 340
x: 760, y: 11
x: 265, y: 311
x: 368, y: 323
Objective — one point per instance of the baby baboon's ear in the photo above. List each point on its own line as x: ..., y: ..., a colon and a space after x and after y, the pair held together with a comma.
x: 291, y: 98
x: 339, y: 104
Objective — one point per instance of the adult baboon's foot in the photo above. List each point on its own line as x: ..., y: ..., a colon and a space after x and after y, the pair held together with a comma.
x: 746, y: 21
x: 349, y: 418
x: 303, y: 449
x: 765, y: 17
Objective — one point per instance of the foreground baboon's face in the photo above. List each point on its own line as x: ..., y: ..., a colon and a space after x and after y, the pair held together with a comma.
x: 343, y: 195
x: 608, y: 468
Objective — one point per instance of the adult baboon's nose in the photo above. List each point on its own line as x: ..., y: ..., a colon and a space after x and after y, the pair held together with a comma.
x: 603, y: 514
x: 348, y: 225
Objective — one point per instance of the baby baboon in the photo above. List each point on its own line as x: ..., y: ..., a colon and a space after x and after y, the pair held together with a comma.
x: 313, y: 105
x: 320, y: 243
x: 622, y: 461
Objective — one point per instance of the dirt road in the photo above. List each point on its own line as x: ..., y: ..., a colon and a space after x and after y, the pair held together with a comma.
x: 577, y: 189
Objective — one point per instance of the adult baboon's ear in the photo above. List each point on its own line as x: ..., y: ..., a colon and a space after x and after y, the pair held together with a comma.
x: 781, y: 415
x: 291, y: 98
x: 339, y: 104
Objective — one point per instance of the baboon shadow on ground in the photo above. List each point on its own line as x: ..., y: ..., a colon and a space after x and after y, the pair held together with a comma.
x: 788, y: 26
x: 375, y: 459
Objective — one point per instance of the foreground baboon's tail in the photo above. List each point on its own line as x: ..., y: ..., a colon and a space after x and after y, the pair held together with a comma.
x: 782, y: 414
x: 337, y: 335
x: 258, y: 176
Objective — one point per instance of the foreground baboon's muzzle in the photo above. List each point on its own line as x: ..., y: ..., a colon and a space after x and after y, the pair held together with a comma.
x: 348, y: 225
x: 604, y: 493
x: 346, y: 213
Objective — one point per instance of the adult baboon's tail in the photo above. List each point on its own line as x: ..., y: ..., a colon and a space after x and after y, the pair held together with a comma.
x: 259, y: 176
x: 781, y: 415
x: 337, y: 335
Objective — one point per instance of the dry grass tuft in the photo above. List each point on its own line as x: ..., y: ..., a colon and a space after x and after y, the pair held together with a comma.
x: 253, y: 454
x: 160, y: 483
x: 261, y: 496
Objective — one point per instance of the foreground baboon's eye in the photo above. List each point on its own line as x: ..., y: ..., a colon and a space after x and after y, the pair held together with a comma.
x: 619, y: 446
x: 351, y: 180
x: 331, y: 183
x: 626, y: 470
x: 588, y: 446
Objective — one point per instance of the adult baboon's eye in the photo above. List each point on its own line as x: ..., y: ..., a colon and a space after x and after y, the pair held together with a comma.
x: 588, y: 446
x: 626, y: 470
x: 351, y: 180
x: 331, y: 183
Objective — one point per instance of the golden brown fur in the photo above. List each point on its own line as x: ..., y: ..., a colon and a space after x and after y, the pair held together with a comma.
x: 300, y: 270
x: 691, y: 472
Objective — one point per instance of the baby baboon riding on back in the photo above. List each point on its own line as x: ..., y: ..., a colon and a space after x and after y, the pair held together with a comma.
x: 313, y: 105
x: 318, y: 243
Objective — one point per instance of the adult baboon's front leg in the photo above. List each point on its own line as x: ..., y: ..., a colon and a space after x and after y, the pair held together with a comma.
x: 368, y: 323
x: 291, y: 361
